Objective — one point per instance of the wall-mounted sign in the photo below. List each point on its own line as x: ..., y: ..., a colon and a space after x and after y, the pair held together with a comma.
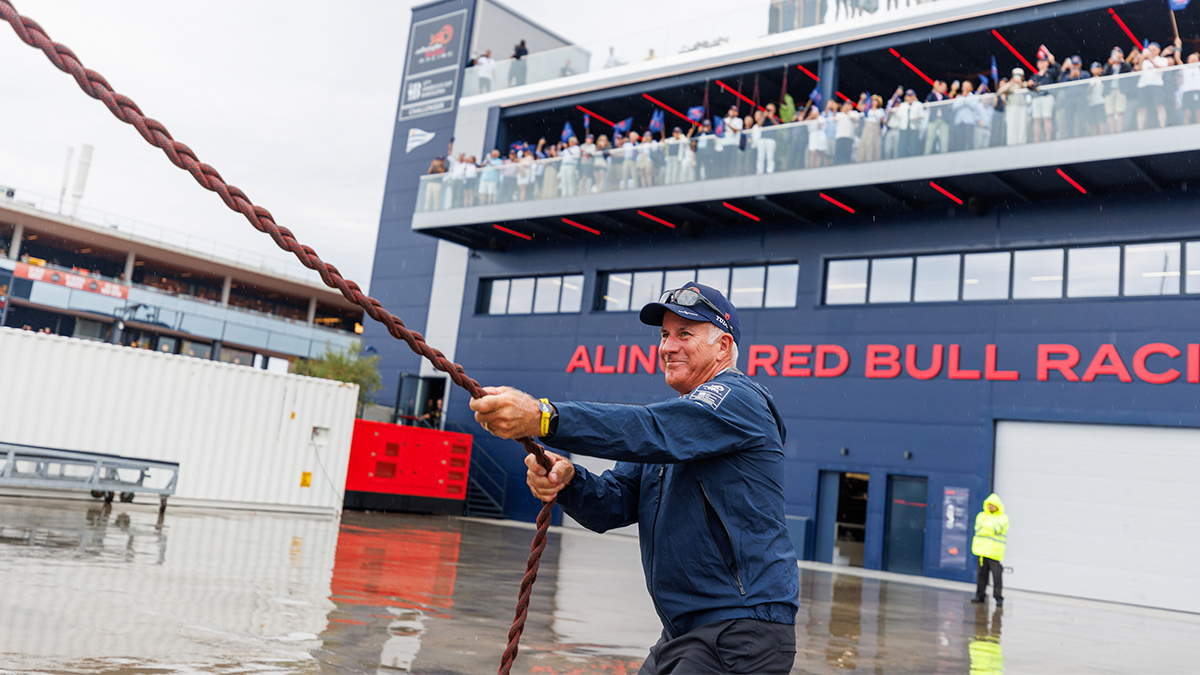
x: 75, y: 282
x: 1154, y: 363
x: 435, y: 62
x: 956, y: 521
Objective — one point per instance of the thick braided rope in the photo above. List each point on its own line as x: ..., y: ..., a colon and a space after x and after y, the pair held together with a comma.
x: 153, y: 131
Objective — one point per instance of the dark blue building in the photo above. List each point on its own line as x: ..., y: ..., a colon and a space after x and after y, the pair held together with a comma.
x: 995, y: 314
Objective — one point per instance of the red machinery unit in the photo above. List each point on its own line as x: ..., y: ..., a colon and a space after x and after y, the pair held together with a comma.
x: 399, y: 468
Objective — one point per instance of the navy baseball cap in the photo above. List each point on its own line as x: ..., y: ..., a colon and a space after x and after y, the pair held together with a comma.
x: 724, y: 316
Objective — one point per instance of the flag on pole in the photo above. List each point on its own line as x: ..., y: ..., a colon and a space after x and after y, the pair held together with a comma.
x: 587, y: 123
x: 567, y: 132
x: 815, y: 96
x: 995, y: 73
x: 1177, y: 5
x: 623, y: 126
x: 696, y: 113
x: 719, y: 129
x: 656, y: 121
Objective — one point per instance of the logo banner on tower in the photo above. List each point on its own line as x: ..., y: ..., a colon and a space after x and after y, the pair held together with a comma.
x: 433, y: 66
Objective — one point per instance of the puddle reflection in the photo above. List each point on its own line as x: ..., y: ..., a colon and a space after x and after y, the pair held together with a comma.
x: 89, y: 589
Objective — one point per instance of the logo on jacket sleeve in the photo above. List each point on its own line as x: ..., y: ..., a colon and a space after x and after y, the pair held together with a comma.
x: 710, y: 394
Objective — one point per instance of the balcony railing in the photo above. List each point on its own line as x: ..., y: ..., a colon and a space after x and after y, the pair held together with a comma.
x: 194, y: 316
x: 1013, y: 116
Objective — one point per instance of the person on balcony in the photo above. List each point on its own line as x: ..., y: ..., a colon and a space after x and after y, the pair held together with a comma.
x: 1042, y: 106
x: 937, y: 133
x: 485, y: 71
x: 517, y: 69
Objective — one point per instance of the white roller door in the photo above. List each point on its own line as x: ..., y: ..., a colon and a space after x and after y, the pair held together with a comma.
x: 1102, y: 511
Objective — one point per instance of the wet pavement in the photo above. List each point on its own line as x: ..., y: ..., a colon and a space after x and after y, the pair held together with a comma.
x: 84, y: 589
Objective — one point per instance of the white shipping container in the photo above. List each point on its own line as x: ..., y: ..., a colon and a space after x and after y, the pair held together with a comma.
x: 243, y: 437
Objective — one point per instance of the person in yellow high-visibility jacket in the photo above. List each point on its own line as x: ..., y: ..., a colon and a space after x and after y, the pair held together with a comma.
x: 991, y: 534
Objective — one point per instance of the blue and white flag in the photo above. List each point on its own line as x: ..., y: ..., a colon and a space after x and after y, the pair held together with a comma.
x: 656, y: 121
x: 995, y: 73
x: 623, y: 126
x: 567, y: 133
x: 719, y: 130
x: 815, y: 96
x: 587, y: 123
x: 1177, y: 5
x: 417, y: 138
x: 696, y: 114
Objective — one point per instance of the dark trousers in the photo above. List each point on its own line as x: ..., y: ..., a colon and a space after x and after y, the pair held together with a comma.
x: 962, y: 137
x: 731, y: 646
x: 987, y: 565
x: 843, y: 151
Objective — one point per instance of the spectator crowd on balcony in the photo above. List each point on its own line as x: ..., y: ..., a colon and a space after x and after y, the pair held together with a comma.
x: 1065, y: 99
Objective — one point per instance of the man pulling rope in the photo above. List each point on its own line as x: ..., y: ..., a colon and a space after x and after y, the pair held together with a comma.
x: 702, y: 476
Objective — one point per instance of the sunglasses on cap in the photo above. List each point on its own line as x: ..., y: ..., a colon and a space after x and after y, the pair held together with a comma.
x: 687, y: 297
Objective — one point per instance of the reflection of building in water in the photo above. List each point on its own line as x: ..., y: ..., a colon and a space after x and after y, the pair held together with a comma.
x: 408, y: 573
x: 845, y: 622
x: 415, y: 568
x: 97, y: 584
x: 600, y: 600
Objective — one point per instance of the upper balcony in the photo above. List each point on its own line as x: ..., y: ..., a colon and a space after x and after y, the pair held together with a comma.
x: 969, y: 152
x: 966, y: 152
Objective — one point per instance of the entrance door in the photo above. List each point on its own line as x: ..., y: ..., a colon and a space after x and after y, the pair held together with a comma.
x: 904, y: 542
x: 841, y: 518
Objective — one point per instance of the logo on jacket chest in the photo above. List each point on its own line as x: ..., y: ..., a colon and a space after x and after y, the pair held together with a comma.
x: 710, y: 394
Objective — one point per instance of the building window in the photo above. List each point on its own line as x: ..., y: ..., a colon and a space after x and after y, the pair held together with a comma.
x: 1193, y: 266
x: 891, y: 280
x: 1079, y: 272
x: 781, y: 285
x: 985, y: 276
x: 1038, y: 274
x: 532, y: 295
x: 1151, y: 269
x: 1094, y: 272
x: 747, y: 287
x: 937, y: 278
x: 846, y: 282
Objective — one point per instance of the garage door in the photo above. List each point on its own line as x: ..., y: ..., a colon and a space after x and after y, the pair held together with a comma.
x: 1102, y: 511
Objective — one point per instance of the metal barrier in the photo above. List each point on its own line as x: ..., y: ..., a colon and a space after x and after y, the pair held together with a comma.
x: 34, y: 467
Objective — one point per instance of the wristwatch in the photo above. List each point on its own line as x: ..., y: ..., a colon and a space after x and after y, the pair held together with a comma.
x: 549, y: 418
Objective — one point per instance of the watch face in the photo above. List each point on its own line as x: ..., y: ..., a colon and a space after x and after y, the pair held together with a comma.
x: 544, y: 407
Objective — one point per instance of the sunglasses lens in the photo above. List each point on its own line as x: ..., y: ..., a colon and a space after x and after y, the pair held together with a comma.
x: 686, y: 298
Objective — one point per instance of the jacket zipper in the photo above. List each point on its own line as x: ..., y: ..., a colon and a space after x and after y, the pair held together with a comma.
x: 736, y: 574
x: 662, y: 469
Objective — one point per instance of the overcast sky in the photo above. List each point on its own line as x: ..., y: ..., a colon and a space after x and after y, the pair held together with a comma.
x: 293, y: 102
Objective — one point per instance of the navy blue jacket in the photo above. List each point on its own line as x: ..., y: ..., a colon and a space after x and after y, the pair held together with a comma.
x: 702, y: 476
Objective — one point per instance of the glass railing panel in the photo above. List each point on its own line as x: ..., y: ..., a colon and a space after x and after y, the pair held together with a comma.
x: 245, y: 335
x: 213, y: 329
x: 1015, y: 114
x: 288, y: 344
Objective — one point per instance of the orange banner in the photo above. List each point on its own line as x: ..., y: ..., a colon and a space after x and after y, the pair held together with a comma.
x: 75, y: 282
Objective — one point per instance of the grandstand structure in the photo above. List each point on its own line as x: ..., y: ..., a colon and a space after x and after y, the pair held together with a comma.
x: 934, y: 327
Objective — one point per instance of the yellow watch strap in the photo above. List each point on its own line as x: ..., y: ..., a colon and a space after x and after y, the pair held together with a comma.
x: 545, y: 418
